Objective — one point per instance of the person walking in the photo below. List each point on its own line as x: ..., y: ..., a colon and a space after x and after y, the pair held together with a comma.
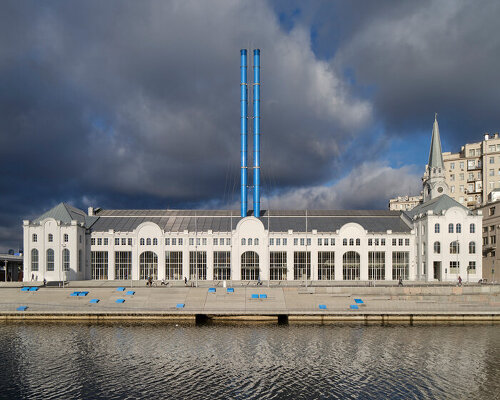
x: 459, y: 280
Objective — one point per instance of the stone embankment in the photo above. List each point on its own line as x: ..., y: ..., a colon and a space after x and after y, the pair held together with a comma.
x: 412, y: 304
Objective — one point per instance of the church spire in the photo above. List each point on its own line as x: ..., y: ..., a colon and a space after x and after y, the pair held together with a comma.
x: 435, y: 154
x: 434, y: 179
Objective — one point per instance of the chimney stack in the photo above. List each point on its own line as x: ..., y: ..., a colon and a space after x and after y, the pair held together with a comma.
x: 244, y: 132
x: 256, y: 132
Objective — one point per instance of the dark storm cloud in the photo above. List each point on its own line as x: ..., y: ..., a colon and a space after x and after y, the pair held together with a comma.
x: 136, y: 104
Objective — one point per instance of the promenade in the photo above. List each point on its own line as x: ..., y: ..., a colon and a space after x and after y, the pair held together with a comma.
x: 291, y: 303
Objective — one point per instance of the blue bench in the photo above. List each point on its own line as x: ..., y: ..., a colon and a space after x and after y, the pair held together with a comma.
x: 120, y: 289
x: 83, y: 294
x: 75, y: 294
x: 255, y: 296
x: 230, y: 290
x: 22, y: 308
x: 180, y: 305
x: 25, y: 289
x: 33, y: 289
x: 263, y: 296
x: 130, y: 293
x: 359, y: 301
x: 354, y: 307
x: 211, y: 290
x: 94, y: 301
x: 120, y: 301
x: 322, y: 306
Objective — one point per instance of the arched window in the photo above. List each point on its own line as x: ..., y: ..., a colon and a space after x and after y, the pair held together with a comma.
x: 243, y: 241
x: 454, y: 247
x: 142, y: 242
x: 459, y: 228
x: 249, y: 266
x: 34, y: 260
x: 66, y: 238
x: 51, y: 237
x: 351, y: 242
x: 65, y: 255
x: 344, y: 242
x: 34, y: 238
x: 50, y: 260
x: 148, y: 241
x: 148, y: 265
x: 472, y: 228
x: 155, y: 241
x: 472, y: 247
x: 436, y: 228
x: 256, y: 241
x: 358, y: 242
x: 250, y: 242
x: 351, y: 265
x: 450, y: 228
x: 437, y: 247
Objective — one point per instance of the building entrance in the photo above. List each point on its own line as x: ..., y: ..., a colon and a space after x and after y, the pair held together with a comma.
x: 437, y: 270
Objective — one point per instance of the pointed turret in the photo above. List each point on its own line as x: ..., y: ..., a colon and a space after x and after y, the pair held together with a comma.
x: 434, y: 179
x: 435, y: 154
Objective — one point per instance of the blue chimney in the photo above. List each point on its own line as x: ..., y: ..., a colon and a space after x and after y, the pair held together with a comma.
x: 256, y: 132
x: 244, y: 131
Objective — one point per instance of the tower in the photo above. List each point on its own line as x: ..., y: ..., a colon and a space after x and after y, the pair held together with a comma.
x: 434, y: 181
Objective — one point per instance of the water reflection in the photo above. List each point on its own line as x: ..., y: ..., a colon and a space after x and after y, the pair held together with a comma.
x: 248, y: 361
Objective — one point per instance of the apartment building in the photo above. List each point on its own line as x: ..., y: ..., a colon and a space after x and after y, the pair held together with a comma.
x: 491, y: 224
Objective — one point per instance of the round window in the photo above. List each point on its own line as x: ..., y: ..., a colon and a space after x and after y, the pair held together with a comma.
x: 440, y: 189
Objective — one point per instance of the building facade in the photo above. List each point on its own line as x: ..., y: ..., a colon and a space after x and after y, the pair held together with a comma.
x: 491, y: 229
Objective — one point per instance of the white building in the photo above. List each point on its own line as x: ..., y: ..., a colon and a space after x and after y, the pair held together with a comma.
x: 437, y: 240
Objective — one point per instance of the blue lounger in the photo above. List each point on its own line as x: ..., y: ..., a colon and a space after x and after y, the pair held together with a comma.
x: 180, y: 305
x: 359, y: 301
x: 119, y: 301
x: 130, y: 293
x: 33, y: 289
x: 263, y: 296
x: 94, y: 301
x: 230, y: 290
x: 83, y: 294
x: 354, y: 307
x: 120, y: 289
x: 322, y: 307
x: 22, y: 308
x: 211, y: 290
x: 255, y: 296
x: 25, y: 289
x: 75, y: 294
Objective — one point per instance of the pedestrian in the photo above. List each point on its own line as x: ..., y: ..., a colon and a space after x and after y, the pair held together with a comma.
x: 459, y: 280
x: 185, y: 281
x: 400, y: 282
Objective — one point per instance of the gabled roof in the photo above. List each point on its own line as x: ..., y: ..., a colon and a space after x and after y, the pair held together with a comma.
x: 435, y: 153
x: 437, y: 205
x: 65, y: 213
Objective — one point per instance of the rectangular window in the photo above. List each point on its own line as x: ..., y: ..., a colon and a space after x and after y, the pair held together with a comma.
x: 326, y: 265
x: 301, y: 265
x: 472, y: 267
x: 400, y: 265
x: 452, y: 165
x: 325, y: 242
x: 197, y: 265
x: 308, y: 241
x: 277, y: 265
x: 492, y: 160
x: 180, y: 241
x: 394, y: 242
x: 382, y: 242
x: 92, y: 241
x: 191, y: 241
x: 376, y: 242
x: 271, y: 242
x: 117, y: 241
x: 462, y: 177
x: 285, y: 241
x: 491, y: 147
x: 295, y: 242
x: 302, y: 241
x: 123, y: 265
x: 167, y: 241
x: 332, y: 242
x: 376, y: 265
x: 370, y: 242
x: 222, y: 265
x: 124, y: 241
x: 492, y: 172
x: 407, y: 242
x: 204, y: 241
x: 493, y: 239
x: 99, y: 264
x: 461, y: 165
x: 129, y: 240
x: 216, y: 241
x: 79, y: 261
x: 105, y: 241
x: 173, y: 265
x: 221, y: 241
x: 320, y: 241
x: 99, y: 241
x: 278, y: 242
x: 452, y: 189
x: 492, y: 210
x: 452, y: 177
x: 454, y: 267
x: 400, y: 242
x: 174, y: 241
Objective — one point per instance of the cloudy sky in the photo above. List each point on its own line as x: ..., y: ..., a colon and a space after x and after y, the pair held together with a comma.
x: 135, y: 104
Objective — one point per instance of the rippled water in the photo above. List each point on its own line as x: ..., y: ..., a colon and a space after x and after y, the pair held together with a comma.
x: 248, y: 361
